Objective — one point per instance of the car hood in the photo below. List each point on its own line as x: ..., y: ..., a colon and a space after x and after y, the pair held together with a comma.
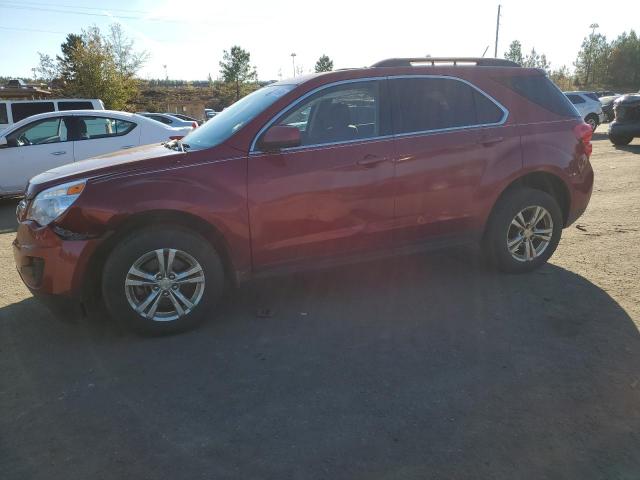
x: 131, y: 159
x: 140, y: 159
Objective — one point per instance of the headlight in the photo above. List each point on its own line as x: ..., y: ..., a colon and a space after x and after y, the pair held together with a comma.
x: 53, y: 202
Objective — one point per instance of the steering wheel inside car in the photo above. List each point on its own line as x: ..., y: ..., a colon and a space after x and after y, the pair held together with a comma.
x: 23, y: 140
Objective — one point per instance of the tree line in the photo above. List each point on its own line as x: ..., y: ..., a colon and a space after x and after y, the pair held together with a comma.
x: 599, y: 63
x: 94, y: 64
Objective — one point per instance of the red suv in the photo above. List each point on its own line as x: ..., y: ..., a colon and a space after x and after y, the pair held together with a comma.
x: 407, y: 154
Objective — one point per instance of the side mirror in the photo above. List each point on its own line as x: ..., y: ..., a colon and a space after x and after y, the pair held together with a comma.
x: 280, y: 136
x: 3, y: 142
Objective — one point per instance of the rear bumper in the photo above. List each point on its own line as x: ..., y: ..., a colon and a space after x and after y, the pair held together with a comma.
x: 581, y: 187
x: 49, y: 264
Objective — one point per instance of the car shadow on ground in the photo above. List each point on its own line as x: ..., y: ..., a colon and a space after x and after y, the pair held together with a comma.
x: 8, y: 215
x: 413, y: 367
x: 600, y: 136
x: 633, y: 148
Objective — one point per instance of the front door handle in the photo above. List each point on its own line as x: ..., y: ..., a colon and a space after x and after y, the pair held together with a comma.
x: 127, y: 146
x: 371, y: 160
x: 61, y: 152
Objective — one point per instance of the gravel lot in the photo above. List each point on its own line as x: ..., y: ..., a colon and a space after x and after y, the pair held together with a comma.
x: 419, y: 367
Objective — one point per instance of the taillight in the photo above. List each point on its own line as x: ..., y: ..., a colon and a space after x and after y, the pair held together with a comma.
x: 176, y: 137
x: 194, y: 124
x: 584, y: 133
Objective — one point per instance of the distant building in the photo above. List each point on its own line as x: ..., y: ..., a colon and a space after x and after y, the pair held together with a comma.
x: 19, y: 90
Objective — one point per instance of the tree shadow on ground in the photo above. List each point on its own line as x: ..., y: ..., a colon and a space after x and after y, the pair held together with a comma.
x: 413, y: 367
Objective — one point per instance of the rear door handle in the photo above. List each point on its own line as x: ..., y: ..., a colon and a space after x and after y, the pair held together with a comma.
x: 488, y: 141
x: 370, y: 160
x: 61, y: 152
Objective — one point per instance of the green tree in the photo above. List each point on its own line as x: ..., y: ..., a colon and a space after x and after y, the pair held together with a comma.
x: 535, y: 60
x: 47, y: 68
x: 93, y: 65
x: 592, y: 64
x: 515, y: 52
x: 624, y: 62
x: 324, y: 64
x: 562, y: 78
x: 236, y: 69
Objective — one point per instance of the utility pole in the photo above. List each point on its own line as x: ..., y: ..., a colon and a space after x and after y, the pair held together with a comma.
x: 495, y: 52
x: 293, y: 61
x: 166, y: 75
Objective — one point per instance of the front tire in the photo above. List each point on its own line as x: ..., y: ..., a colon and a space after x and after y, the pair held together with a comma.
x: 162, y: 280
x: 523, y: 230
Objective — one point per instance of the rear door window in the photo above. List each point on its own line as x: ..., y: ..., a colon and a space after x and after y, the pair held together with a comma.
x: 20, y: 111
x: 3, y: 113
x: 65, y: 105
x: 423, y: 104
x: 89, y: 128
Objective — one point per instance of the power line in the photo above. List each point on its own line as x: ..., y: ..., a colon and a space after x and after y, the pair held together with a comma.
x: 32, y: 30
x: 36, y: 30
x: 82, y: 7
x: 90, y: 14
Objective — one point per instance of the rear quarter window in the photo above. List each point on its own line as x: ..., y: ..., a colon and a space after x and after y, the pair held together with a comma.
x: 541, y: 91
x: 20, y: 111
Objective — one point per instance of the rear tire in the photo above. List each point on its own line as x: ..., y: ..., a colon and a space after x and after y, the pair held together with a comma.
x: 618, y: 140
x: 161, y: 280
x: 523, y: 230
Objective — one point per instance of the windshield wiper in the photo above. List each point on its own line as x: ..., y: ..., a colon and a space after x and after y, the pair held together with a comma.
x: 185, y: 146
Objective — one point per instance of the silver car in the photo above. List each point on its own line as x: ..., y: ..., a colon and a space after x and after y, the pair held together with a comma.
x: 169, y: 120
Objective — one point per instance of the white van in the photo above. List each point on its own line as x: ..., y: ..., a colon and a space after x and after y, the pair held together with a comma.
x: 12, y: 111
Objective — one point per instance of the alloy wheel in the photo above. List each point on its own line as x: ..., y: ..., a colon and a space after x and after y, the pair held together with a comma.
x: 529, y: 233
x: 164, y: 284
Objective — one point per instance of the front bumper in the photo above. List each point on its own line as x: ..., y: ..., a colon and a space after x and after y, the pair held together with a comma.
x: 49, y: 264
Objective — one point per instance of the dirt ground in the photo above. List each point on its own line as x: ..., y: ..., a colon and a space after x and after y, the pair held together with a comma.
x: 417, y: 367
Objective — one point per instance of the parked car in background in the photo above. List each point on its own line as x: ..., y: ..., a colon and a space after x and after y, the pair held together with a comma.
x: 169, y: 119
x: 607, y: 106
x: 209, y: 114
x: 606, y: 93
x: 406, y: 155
x: 626, y: 125
x: 48, y: 140
x: 589, y: 107
x: 184, y: 117
x: 12, y: 111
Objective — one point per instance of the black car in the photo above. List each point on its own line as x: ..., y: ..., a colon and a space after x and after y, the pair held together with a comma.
x: 607, y: 106
x: 626, y: 125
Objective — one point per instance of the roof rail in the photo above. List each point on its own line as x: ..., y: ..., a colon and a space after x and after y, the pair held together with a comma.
x: 456, y: 61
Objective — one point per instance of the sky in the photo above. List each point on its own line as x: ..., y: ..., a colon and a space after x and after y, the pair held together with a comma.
x: 189, y: 36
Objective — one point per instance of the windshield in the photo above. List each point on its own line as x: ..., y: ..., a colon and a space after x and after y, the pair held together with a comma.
x: 233, y: 118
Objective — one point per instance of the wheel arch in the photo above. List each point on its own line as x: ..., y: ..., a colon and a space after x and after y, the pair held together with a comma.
x: 546, y: 182
x: 139, y: 221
